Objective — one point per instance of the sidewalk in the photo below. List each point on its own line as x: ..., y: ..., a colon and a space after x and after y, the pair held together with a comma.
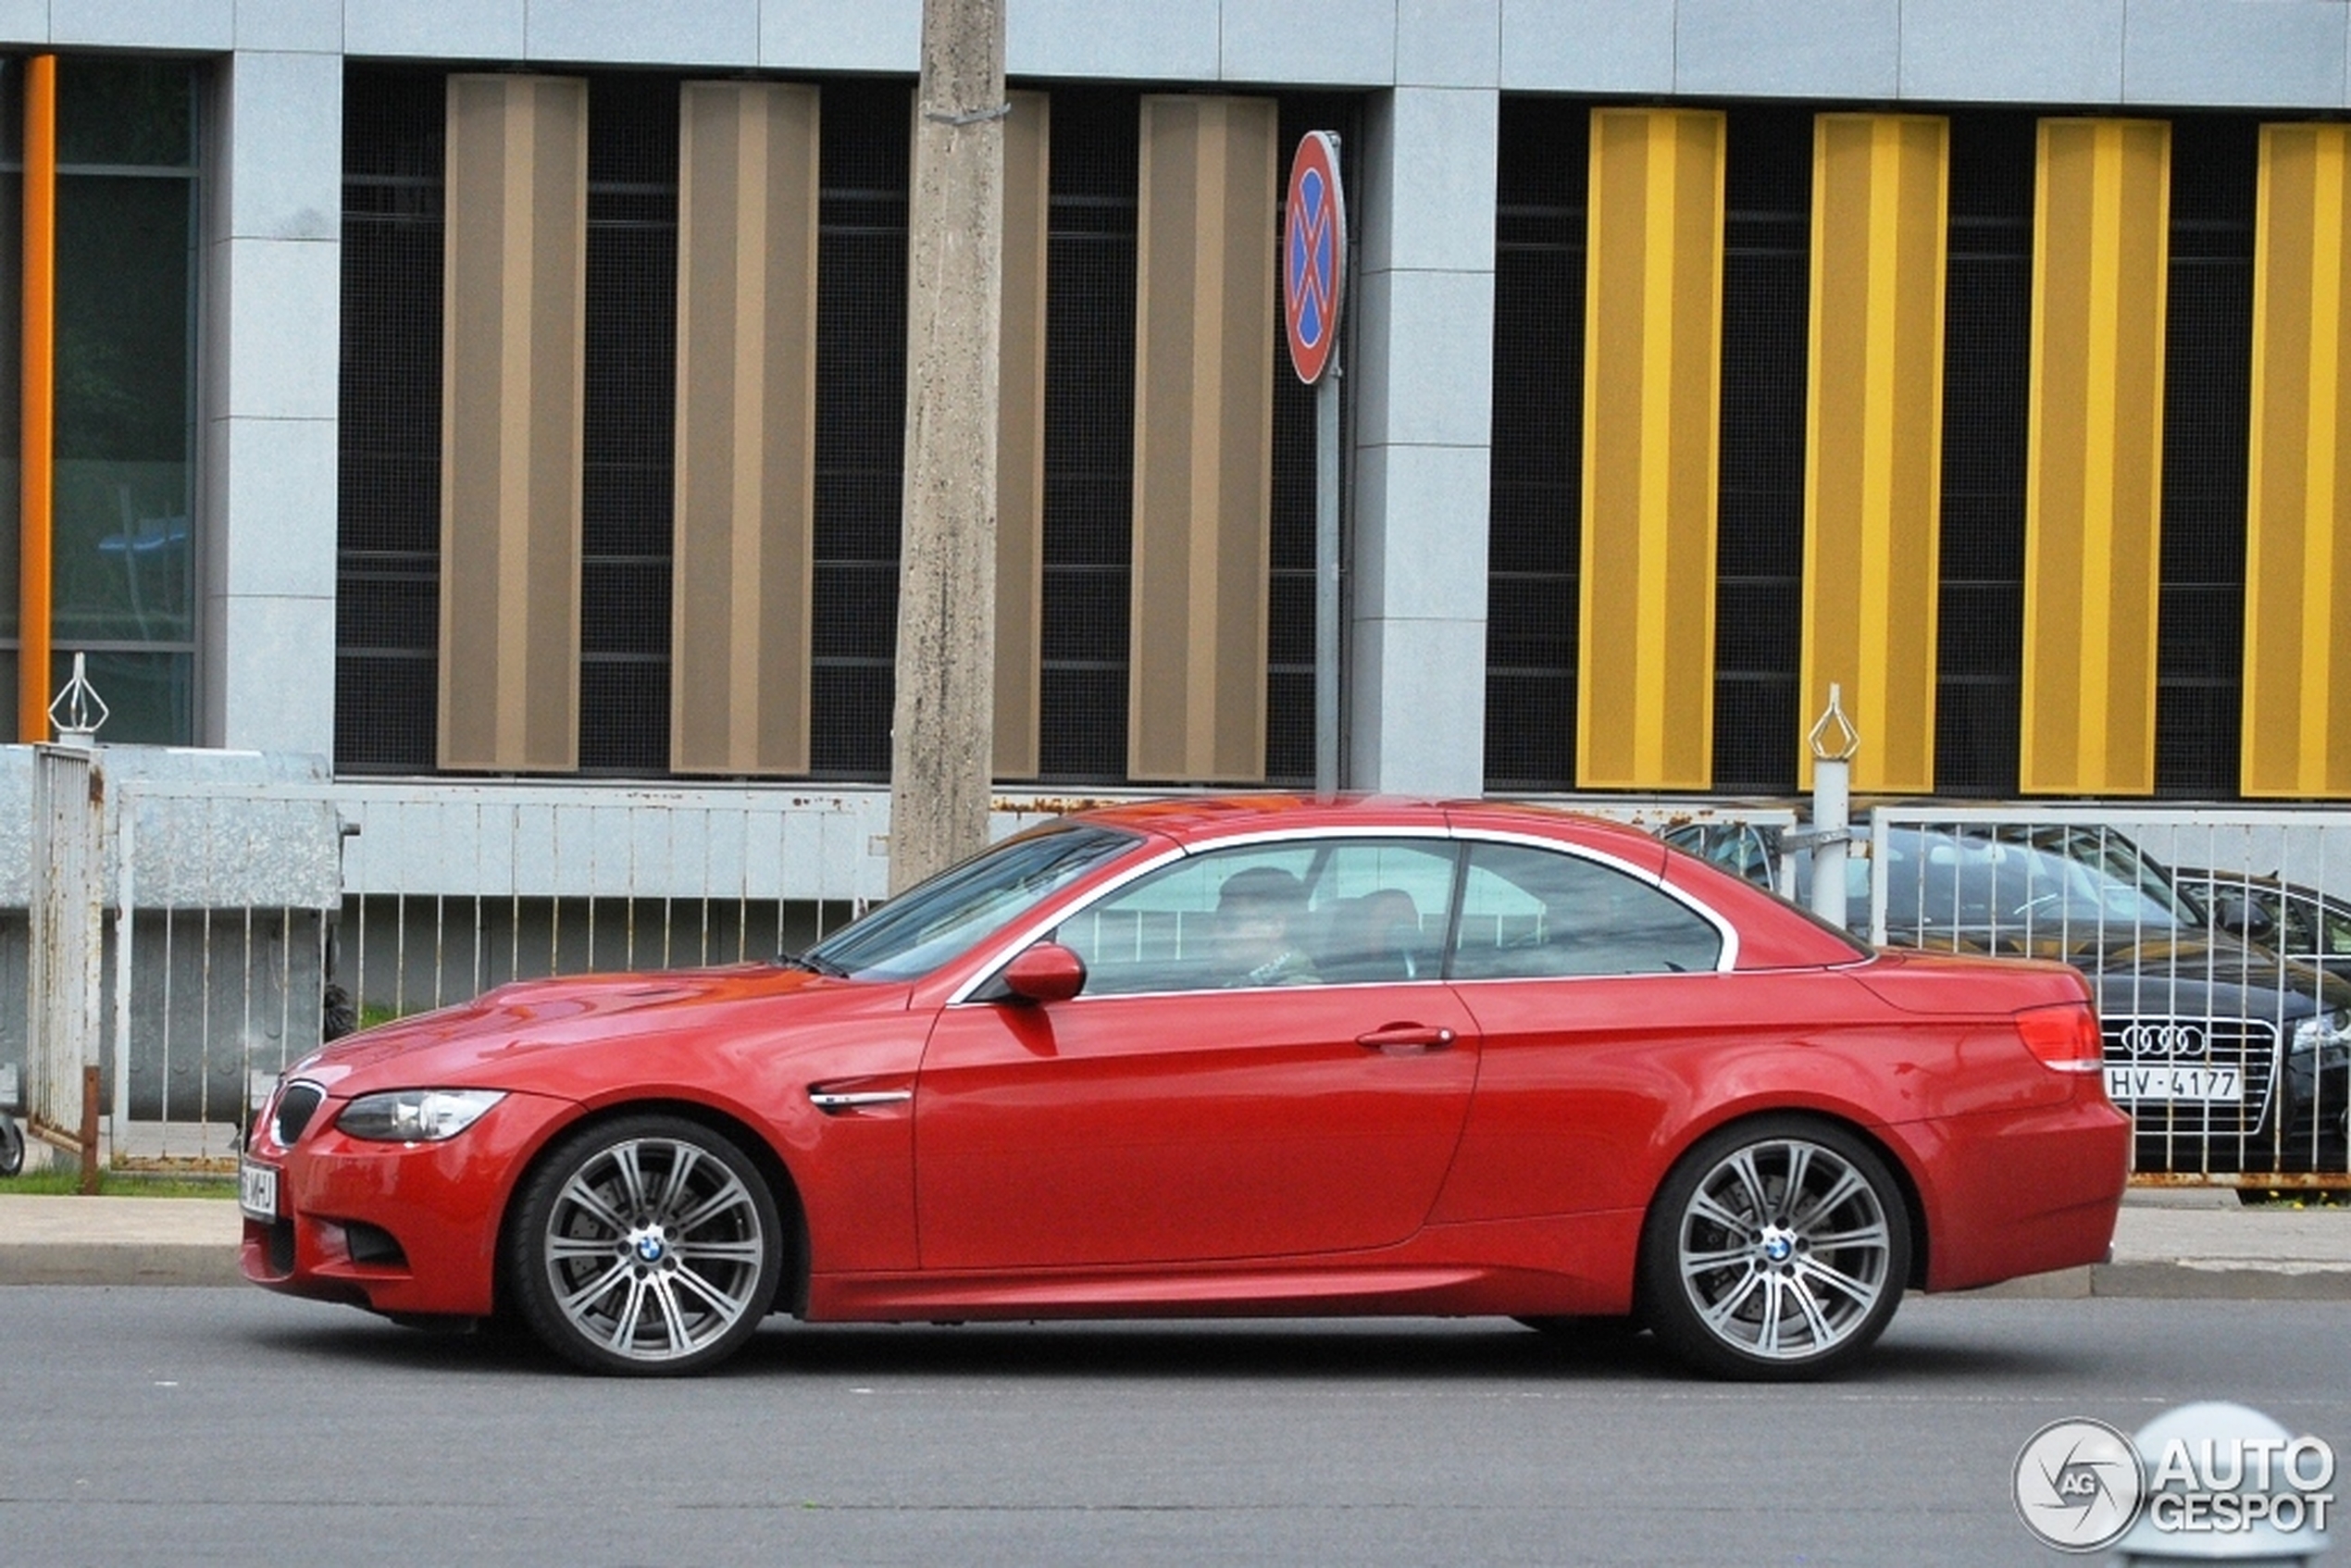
x: 2169, y: 1243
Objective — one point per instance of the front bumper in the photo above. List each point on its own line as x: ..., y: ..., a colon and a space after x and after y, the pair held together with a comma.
x: 395, y: 1227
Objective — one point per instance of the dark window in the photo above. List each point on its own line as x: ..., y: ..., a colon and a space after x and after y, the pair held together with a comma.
x: 1530, y: 914
x: 1988, y: 340
x: 1767, y: 281
x: 861, y: 423
x: 388, y: 503
x: 629, y: 419
x: 1090, y: 435
x: 2207, y: 415
x: 1535, y: 499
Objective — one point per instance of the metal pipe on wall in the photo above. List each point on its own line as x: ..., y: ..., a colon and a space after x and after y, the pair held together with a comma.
x: 38, y: 419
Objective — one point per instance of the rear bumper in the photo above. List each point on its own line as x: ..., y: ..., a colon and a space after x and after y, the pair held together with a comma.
x: 390, y: 1227
x: 2019, y: 1194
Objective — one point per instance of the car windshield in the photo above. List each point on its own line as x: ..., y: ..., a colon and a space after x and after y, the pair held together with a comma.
x: 2043, y: 878
x: 965, y: 904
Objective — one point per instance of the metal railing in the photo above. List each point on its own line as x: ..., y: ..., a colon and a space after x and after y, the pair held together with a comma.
x: 236, y: 924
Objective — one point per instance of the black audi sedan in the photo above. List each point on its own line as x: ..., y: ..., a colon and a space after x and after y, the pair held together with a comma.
x: 2229, y: 1058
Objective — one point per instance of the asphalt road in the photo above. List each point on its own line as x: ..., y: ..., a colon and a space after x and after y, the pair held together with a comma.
x: 201, y: 1426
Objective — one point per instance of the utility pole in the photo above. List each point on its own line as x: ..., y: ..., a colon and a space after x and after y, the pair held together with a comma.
x: 942, y: 727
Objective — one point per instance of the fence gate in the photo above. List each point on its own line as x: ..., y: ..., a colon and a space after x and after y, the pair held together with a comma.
x: 68, y: 936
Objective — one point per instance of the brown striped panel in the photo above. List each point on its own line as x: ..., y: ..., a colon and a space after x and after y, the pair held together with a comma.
x: 2297, y: 637
x: 1204, y: 324
x: 1020, y: 438
x: 1874, y: 430
x: 1652, y: 396
x: 513, y: 359
x: 745, y: 497
x: 2094, y: 463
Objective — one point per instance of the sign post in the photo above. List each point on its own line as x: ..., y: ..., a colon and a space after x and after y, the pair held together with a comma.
x: 1313, y: 281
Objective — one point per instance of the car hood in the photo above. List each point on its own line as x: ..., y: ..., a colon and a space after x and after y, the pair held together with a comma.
x: 498, y: 1037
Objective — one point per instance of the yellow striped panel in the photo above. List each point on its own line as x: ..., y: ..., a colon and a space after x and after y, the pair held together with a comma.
x: 1652, y: 393
x: 1205, y: 321
x: 1874, y: 447
x: 2094, y: 462
x: 2297, y: 640
x: 514, y: 360
x: 745, y: 498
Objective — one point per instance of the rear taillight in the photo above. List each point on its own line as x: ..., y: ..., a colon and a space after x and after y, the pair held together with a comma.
x: 2064, y: 1038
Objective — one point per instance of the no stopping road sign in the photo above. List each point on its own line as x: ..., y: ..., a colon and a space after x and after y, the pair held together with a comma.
x: 1313, y: 255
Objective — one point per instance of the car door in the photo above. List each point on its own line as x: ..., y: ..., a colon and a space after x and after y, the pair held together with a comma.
x: 1598, y: 997
x: 1206, y: 1098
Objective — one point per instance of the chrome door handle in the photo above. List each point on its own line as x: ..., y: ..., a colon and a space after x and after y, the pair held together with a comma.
x: 1391, y: 1037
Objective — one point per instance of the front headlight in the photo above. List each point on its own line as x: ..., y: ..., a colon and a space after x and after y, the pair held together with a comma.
x: 416, y: 1116
x: 2331, y: 1028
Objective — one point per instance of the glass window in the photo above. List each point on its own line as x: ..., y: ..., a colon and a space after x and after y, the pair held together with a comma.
x: 122, y: 545
x: 963, y: 905
x: 2336, y: 942
x: 1529, y: 913
x: 1326, y: 912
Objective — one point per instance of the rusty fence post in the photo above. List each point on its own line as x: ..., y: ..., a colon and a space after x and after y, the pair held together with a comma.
x: 62, y: 995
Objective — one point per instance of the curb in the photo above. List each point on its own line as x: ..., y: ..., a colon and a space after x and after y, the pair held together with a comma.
x: 2185, y: 1279
x: 101, y: 1263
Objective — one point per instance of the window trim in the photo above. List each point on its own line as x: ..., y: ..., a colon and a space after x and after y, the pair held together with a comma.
x: 983, y: 976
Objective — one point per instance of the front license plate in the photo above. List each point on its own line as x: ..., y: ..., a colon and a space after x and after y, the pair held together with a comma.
x: 257, y: 1189
x: 2210, y: 1086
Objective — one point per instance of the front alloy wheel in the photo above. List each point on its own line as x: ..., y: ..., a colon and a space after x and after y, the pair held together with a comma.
x: 649, y: 1245
x: 1776, y: 1249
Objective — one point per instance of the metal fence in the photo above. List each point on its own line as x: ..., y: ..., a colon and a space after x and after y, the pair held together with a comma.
x: 234, y: 923
x: 2219, y: 943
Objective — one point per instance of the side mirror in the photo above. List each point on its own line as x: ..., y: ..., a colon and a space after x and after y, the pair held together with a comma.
x: 1047, y: 972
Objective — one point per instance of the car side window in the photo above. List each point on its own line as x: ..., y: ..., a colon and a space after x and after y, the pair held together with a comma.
x: 1529, y: 913
x: 2336, y: 941
x: 1734, y: 846
x: 1328, y: 911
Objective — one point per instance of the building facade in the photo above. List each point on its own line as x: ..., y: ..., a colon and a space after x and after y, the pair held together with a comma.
x: 508, y: 394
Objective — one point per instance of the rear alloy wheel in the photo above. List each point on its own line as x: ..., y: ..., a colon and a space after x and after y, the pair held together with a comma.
x: 1776, y: 1249
x: 649, y: 1245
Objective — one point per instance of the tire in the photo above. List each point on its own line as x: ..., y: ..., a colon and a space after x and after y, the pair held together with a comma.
x: 11, y: 1148
x: 1776, y: 1249
x: 605, y: 1274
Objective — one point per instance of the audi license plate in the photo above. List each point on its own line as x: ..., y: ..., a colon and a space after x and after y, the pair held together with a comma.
x: 2211, y: 1086
x: 257, y: 1189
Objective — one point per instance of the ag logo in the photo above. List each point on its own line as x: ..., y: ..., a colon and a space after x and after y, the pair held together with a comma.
x: 2078, y: 1484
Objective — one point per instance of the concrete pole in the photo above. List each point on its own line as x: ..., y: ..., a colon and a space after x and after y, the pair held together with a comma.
x: 941, y: 732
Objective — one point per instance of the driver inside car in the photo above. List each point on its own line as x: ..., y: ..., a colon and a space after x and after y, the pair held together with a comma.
x: 1258, y: 913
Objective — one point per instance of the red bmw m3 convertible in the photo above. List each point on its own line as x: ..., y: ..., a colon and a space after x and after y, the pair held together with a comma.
x: 1231, y: 1057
